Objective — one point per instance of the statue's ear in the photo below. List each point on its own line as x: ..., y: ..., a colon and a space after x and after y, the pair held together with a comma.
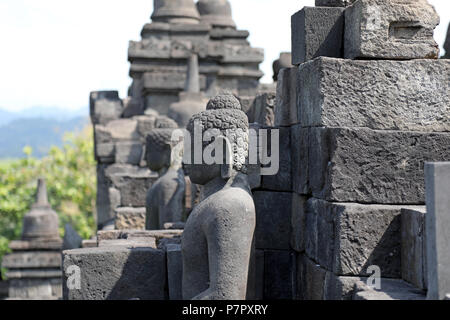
x: 227, y: 166
x: 226, y: 170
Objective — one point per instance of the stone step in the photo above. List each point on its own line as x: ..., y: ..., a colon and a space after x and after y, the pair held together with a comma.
x: 391, y: 289
x: 115, y: 273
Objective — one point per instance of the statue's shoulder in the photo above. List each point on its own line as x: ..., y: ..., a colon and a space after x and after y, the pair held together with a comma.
x: 235, y: 199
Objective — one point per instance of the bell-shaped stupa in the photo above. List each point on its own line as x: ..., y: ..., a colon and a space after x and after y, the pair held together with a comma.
x: 216, y: 13
x: 41, y: 223
x: 175, y: 11
x: 192, y: 101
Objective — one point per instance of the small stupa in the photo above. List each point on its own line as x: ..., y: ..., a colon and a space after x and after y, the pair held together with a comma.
x: 175, y: 11
x: 34, y: 266
x: 216, y: 13
x: 192, y: 101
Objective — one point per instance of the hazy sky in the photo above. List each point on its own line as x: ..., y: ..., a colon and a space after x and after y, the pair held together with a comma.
x: 55, y: 52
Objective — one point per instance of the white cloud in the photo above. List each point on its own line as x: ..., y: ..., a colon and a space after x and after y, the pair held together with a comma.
x: 53, y: 52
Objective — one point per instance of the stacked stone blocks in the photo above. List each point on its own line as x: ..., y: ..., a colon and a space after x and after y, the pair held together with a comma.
x: 360, y: 137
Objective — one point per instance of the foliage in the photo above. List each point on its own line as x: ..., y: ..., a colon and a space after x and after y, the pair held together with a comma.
x: 71, y: 181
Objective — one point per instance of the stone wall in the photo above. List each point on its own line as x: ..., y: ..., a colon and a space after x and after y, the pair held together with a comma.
x: 361, y: 131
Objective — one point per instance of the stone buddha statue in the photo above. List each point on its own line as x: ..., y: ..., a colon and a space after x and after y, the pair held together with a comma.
x: 217, y: 240
x: 165, y: 198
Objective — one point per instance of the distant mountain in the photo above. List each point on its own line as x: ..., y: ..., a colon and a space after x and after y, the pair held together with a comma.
x: 38, y: 133
x: 55, y: 113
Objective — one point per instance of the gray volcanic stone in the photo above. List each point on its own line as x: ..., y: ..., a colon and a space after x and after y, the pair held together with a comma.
x: 33, y: 259
x: 129, y: 152
x: 334, y: 3
x: 105, y: 106
x: 317, y: 32
x: 300, y: 158
x: 298, y: 222
x: 286, y: 98
x: 282, y: 180
x: 312, y: 278
x: 273, y: 220
x: 371, y: 166
x: 35, y: 289
x: 391, y: 289
x: 132, y: 188
x: 72, y: 239
x: 413, y: 247
x: 349, y: 237
x: 437, y: 224
x: 447, y: 44
x: 129, y: 243
x: 387, y: 95
x: 123, y: 130
x: 391, y: 29
x: 259, y: 274
x: 262, y: 110
x: 339, y: 288
x: 130, y: 218
x: 117, y: 273
x: 174, y: 271
x: 279, y: 275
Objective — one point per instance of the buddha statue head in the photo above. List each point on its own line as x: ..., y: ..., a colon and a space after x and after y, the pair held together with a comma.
x: 159, y: 145
x: 224, y: 120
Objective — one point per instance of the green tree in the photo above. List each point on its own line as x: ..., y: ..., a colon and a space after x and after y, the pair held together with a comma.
x: 71, y: 181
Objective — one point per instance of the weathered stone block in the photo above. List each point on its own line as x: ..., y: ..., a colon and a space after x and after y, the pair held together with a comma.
x: 339, y: 288
x: 123, y: 130
x: 175, y: 271
x: 105, y: 106
x: 33, y: 259
x: 262, y: 110
x: 129, y: 243
x: 413, y: 247
x: 36, y: 245
x: 371, y: 166
x: 105, y: 152
x: 317, y: 32
x: 347, y: 238
x: 72, y: 239
x: 391, y: 29
x: 273, y: 220
x: 286, y: 98
x: 259, y: 270
x: 298, y: 222
x: 132, y: 187
x: 387, y: 95
x: 129, y: 152
x: 47, y: 289
x: 391, y: 289
x: 130, y: 218
x: 300, y: 159
x: 437, y: 225
x: 279, y: 275
x: 334, y: 3
x: 280, y: 152
x: 313, y: 280
x: 117, y: 273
